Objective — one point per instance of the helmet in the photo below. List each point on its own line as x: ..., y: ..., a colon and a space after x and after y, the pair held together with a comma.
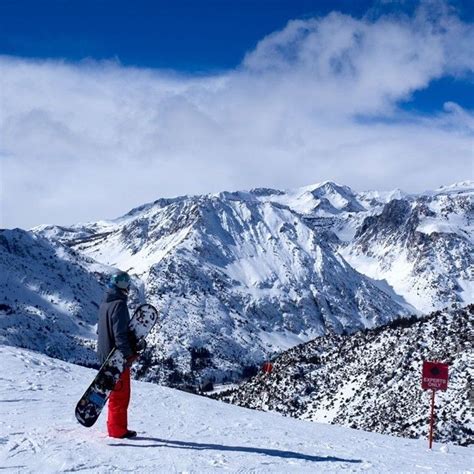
x: 120, y: 280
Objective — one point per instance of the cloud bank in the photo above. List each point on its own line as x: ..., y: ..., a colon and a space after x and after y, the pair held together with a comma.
x: 317, y: 100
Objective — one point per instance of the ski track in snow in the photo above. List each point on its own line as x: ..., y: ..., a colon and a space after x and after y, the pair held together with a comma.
x: 180, y: 432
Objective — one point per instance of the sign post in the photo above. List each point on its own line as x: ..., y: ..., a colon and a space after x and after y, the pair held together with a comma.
x: 267, y: 367
x: 435, y: 377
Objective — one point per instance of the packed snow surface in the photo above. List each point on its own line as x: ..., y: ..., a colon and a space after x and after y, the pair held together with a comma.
x: 180, y: 432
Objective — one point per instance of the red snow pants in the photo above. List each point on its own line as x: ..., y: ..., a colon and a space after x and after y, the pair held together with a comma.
x: 118, y: 406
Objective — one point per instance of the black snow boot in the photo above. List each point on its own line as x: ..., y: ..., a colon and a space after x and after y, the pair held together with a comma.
x: 129, y: 434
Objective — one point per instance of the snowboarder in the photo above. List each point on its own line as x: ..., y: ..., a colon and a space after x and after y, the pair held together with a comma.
x: 113, y: 332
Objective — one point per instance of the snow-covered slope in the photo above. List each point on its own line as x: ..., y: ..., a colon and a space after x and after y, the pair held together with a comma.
x: 49, y: 296
x: 422, y: 246
x: 179, y: 432
x: 372, y: 379
x: 236, y: 278
x: 419, y: 246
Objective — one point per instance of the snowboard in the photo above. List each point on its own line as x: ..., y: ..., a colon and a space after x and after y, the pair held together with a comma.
x: 92, y: 402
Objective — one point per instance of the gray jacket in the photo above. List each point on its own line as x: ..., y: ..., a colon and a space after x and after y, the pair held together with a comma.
x: 112, y: 329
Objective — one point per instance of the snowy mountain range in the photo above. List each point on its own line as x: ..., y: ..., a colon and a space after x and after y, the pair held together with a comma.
x: 239, y: 276
x: 371, y: 380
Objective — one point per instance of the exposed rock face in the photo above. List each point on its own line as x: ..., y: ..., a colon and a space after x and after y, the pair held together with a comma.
x: 422, y: 246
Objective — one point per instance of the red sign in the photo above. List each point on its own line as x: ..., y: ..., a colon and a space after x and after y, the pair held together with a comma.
x: 435, y: 376
x: 267, y: 367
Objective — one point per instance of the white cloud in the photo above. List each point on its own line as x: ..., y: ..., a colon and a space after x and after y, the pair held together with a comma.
x: 91, y: 140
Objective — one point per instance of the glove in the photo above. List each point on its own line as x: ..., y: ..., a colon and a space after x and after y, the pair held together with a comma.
x: 141, y: 345
x: 136, y: 345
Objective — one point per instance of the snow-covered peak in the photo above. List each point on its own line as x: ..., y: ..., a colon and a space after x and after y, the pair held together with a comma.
x: 456, y: 188
x: 340, y: 198
x: 148, y: 208
x: 325, y: 187
x: 322, y: 199
x: 374, y: 198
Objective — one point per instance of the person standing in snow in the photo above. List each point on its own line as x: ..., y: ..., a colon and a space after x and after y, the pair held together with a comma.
x: 113, y: 332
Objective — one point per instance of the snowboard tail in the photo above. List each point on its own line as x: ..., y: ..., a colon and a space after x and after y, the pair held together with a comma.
x: 90, y: 405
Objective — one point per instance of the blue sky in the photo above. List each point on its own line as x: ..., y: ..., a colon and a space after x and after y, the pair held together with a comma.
x: 189, y: 35
x: 182, y: 97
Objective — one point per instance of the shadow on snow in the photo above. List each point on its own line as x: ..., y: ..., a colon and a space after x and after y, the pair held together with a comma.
x: 240, y: 449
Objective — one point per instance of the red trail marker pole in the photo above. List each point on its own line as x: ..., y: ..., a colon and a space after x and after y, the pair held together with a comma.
x: 432, y: 416
x: 267, y: 367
